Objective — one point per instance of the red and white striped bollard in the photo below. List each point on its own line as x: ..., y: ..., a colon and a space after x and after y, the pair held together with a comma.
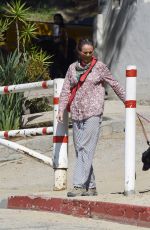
x: 130, y: 129
x: 60, y: 142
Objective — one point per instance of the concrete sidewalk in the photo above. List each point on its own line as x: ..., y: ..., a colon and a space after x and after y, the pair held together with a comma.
x: 26, y: 183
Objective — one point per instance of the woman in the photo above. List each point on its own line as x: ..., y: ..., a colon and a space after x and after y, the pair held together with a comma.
x: 59, y: 33
x: 60, y: 65
x: 86, y: 110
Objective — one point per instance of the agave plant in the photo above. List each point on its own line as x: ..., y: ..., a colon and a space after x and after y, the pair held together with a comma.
x: 29, y: 31
x: 12, y: 71
x: 38, y: 65
x: 4, y: 24
x: 17, y: 12
x: 10, y: 111
x: 41, y: 56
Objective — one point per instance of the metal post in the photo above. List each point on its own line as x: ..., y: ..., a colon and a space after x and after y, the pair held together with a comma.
x: 21, y: 149
x: 60, y: 142
x: 130, y: 130
x: 25, y: 87
x: 26, y: 132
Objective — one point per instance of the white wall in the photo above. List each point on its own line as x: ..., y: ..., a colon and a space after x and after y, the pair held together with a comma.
x: 126, y: 41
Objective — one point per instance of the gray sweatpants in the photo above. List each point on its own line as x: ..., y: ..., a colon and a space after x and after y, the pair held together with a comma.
x: 85, y: 135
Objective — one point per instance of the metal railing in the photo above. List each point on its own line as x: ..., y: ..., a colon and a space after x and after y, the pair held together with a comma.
x: 59, y: 160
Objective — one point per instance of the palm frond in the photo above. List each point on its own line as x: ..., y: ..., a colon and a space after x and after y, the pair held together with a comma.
x: 28, y: 32
x: 4, y: 24
x: 16, y: 10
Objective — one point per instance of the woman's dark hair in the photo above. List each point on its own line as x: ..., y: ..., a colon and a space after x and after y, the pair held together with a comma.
x: 84, y: 41
x: 60, y: 18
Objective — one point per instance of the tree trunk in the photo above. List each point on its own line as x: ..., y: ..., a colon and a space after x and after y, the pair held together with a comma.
x: 18, y: 37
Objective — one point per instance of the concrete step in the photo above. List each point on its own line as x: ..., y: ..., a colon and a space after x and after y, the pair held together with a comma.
x: 37, y: 120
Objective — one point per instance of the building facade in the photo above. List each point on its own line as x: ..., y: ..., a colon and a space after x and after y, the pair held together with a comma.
x: 123, y: 38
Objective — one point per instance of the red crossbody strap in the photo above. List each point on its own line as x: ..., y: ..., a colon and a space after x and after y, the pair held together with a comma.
x: 82, y: 79
x: 83, y: 76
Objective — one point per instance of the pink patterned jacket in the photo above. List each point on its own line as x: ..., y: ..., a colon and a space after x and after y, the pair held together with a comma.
x: 89, y: 99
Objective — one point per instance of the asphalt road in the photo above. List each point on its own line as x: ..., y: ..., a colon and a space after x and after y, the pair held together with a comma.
x: 31, y: 220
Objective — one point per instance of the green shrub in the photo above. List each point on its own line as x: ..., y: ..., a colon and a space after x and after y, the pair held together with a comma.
x: 38, y: 65
x: 23, y: 65
x: 12, y: 71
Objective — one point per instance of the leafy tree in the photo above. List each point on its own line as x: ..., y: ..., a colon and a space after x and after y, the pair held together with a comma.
x: 17, y: 12
x: 19, y: 67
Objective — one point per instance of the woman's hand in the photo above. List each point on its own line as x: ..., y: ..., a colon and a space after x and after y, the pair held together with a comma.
x: 59, y: 117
